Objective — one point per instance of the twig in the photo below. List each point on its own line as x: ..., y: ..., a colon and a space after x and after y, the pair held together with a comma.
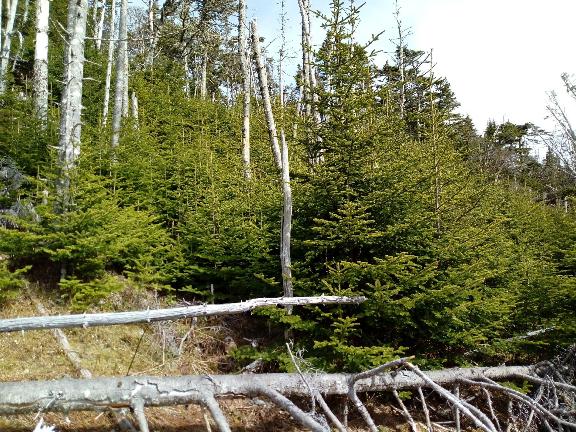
x: 405, y: 411
x: 557, y: 384
x: 425, y: 409
x: 316, y: 394
x: 456, y: 410
x: 135, y: 352
x: 540, y: 410
x: 368, y: 374
x: 362, y: 409
x: 138, y: 407
x: 474, y: 414
x: 283, y: 402
x: 217, y: 414
x: 491, y: 408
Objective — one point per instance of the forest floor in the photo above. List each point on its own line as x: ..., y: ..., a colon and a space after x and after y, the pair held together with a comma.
x: 152, y: 349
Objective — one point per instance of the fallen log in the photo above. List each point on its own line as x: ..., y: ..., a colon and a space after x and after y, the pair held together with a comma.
x: 147, y: 316
x: 111, y: 392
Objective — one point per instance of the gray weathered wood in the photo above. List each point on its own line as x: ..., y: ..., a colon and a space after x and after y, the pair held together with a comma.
x: 109, y: 63
x: 71, y: 103
x: 265, y: 93
x: 120, y: 392
x: 246, y: 73
x: 115, y: 318
x: 40, y: 83
x: 120, y: 100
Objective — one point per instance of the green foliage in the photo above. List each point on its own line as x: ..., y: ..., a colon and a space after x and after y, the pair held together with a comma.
x: 10, y: 281
x: 96, y: 235
x: 85, y: 294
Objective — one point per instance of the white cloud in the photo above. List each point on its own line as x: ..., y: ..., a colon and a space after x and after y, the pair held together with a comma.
x: 500, y: 56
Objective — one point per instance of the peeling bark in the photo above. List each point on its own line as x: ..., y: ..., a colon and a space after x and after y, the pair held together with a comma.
x: 71, y: 105
x: 101, y: 393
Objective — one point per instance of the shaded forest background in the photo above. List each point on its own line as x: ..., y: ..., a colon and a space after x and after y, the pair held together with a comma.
x: 463, y: 243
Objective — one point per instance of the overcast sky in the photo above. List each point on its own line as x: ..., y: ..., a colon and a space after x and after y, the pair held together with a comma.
x: 500, y: 56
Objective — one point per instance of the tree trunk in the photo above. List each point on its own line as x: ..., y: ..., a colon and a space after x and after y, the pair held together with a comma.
x: 246, y: 72
x: 41, y: 60
x: 107, y: 319
x: 285, y: 260
x: 265, y: 93
x: 109, y: 63
x: 153, y: 29
x: 203, y: 76
x: 120, y: 98
x: 71, y: 105
x: 305, y: 76
x: 99, y: 26
x: 134, y: 107
x: 101, y: 393
x: 11, y: 7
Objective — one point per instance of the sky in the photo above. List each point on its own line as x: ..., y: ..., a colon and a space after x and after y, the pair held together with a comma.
x: 501, y: 57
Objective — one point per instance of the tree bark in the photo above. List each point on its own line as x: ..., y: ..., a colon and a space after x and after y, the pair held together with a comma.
x: 119, y: 392
x: 99, y: 26
x: 11, y: 7
x: 246, y: 72
x: 154, y: 31
x: 134, y: 107
x: 109, y: 63
x: 203, y: 76
x: 40, y: 83
x: 120, y: 98
x: 265, y: 93
x: 106, y: 319
x: 71, y: 105
x: 285, y: 259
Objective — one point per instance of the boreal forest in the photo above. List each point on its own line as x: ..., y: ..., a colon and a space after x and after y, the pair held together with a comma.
x: 161, y: 151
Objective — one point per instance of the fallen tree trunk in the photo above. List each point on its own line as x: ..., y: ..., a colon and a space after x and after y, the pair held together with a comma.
x: 104, y: 393
x: 116, y: 318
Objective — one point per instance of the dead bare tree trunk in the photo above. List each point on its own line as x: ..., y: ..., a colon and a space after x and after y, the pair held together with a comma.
x: 111, y: 35
x: 246, y: 73
x: 71, y: 105
x: 265, y: 93
x: 153, y: 30
x: 99, y: 25
x: 285, y: 260
x: 120, y: 98
x: 203, y: 76
x: 40, y: 83
x: 134, y: 107
x: 11, y: 7
x: 306, y: 85
x: 148, y: 316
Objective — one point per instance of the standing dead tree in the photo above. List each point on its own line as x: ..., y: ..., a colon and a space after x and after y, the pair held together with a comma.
x: 244, y: 54
x: 265, y: 93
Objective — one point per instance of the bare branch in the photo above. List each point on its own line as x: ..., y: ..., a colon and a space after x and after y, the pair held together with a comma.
x: 106, y: 319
